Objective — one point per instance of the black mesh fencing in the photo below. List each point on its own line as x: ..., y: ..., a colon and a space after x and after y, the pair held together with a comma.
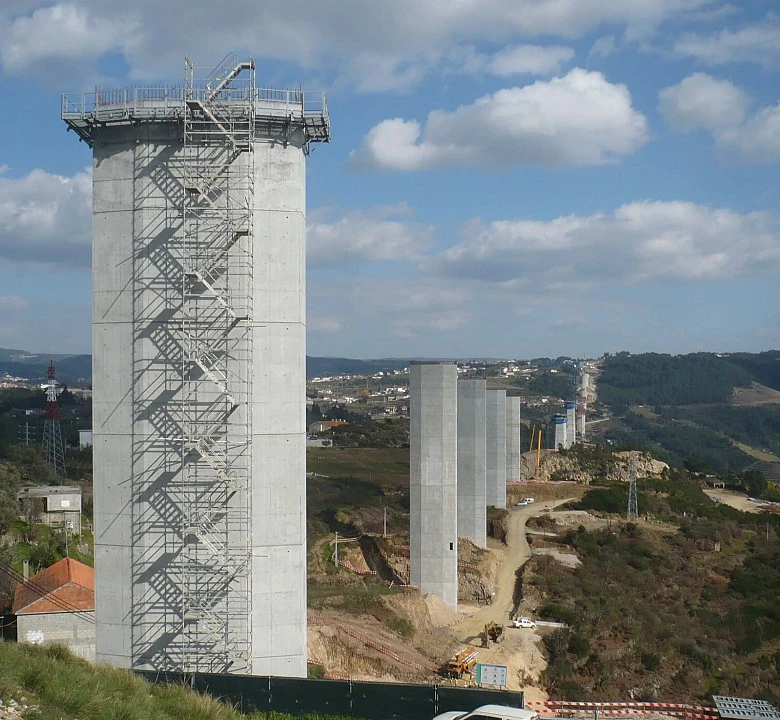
x: 341, y: 698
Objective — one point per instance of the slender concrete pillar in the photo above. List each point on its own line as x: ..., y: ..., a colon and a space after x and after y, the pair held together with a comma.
x: 513, y: 450
x: 571, y: 424
x: 433, y: 479
x: 472, y: 516
x: 559, y: 432
x: 495, y: 429
x: 581, y: 426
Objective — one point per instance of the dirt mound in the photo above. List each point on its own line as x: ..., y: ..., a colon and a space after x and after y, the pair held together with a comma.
x: 363, y: 649
x: 440, y: 614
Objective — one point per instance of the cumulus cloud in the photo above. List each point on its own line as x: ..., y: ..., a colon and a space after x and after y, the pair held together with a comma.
x: 702, y: 101
x: 759, y: 44
x: 61, y: 38
x: 578, y: 119
x: 46, y: 218
x: 513, y: 60
x: 638, y: 242
x: 757, y: 141
x: 375, y: 45
x: 382, y: 234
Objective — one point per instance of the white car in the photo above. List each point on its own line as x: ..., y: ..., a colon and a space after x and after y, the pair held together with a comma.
x: 490, y: 712
x: 529, y: 500
x: 524, y: 501
x: 523, y: 622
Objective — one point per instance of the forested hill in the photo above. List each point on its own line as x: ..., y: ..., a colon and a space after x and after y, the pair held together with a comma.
x: 78, y: 368
x: 656, y: 379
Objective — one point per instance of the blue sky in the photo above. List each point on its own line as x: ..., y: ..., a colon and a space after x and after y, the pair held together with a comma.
x: 507, y: 178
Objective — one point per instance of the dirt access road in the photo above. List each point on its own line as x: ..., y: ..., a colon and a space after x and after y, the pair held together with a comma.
x: 518, y: 651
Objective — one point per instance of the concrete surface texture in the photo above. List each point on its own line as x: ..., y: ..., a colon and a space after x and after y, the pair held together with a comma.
x: 581, y: 426
x: 472, y: 515
x: 433, y: 479
x: 571, y: 424
x: 559, y: 432
x: 171, y: 590
x: 495, y: 432
x: 513, y: 449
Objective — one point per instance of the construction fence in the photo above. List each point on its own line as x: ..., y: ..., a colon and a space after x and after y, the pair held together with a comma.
x: 345, y: 698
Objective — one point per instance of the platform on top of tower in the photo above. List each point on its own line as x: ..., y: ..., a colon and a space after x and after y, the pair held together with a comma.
x: 272, y: 107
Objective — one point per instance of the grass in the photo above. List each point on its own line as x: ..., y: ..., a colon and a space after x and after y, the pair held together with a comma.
x: 383, y: 466
x: 63, y: 687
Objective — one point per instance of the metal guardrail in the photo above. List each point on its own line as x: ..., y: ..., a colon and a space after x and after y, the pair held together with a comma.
x: 79, y: 106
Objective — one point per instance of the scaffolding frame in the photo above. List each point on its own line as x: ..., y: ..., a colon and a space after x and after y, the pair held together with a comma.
x: 216, y: 339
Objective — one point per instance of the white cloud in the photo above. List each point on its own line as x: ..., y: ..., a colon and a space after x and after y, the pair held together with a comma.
x: 377, y: 235
x: 323, y: 324
x: 376, y: 46
x: 757, y: 141
x: 60, y: 38
x: 758, y: 44
x: 639, y: 242
x: 513, y: 60
x: 603, y: 47
x: 46, y: 219
x: 702, y: 101
x: 577, y: 119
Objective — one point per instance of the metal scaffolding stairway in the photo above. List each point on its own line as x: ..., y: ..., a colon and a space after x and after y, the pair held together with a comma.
x: 216, y: 338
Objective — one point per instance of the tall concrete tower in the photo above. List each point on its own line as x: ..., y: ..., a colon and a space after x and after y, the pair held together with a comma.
x: 513, y: 449
x: 581, y: 425
x: 433, y: 479
x: 559, y: 432
x: 472, y: 517
x: 495, y: 429
x: 571, y: 432
x: 198, y: 335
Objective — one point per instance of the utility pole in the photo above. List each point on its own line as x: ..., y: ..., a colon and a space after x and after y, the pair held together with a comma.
x: 336, y: 551
x: 633, y: 509
x: 25, y: 433
x: 384, y: 523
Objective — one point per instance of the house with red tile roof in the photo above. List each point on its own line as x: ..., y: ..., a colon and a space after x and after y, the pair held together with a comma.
x: 57, y: 605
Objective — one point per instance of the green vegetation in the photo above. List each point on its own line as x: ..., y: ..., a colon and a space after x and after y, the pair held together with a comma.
x: 351, y: 487
x: 675, y: 441
x: 558, y: 383
x: 653, y: 379
x: 756, y: 426
x: 63, y: 687
x: 662, y: 612
x: 765, y: 366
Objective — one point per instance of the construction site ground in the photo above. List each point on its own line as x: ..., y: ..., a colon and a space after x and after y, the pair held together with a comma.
x: 361, y: 648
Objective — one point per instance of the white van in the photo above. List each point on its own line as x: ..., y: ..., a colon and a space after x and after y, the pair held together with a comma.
x: 490, y: 712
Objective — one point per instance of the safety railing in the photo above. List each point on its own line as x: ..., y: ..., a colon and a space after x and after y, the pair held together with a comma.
x: 82, y: 105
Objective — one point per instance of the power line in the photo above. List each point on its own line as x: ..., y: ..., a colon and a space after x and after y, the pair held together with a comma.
x: 42, y: 592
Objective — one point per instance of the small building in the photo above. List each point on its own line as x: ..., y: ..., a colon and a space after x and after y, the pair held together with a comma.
x: 56, y: 505
x: 57, y: 605
x: 325, y: 426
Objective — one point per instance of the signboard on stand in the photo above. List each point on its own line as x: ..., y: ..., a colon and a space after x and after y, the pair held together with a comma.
x: 491, y: 675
